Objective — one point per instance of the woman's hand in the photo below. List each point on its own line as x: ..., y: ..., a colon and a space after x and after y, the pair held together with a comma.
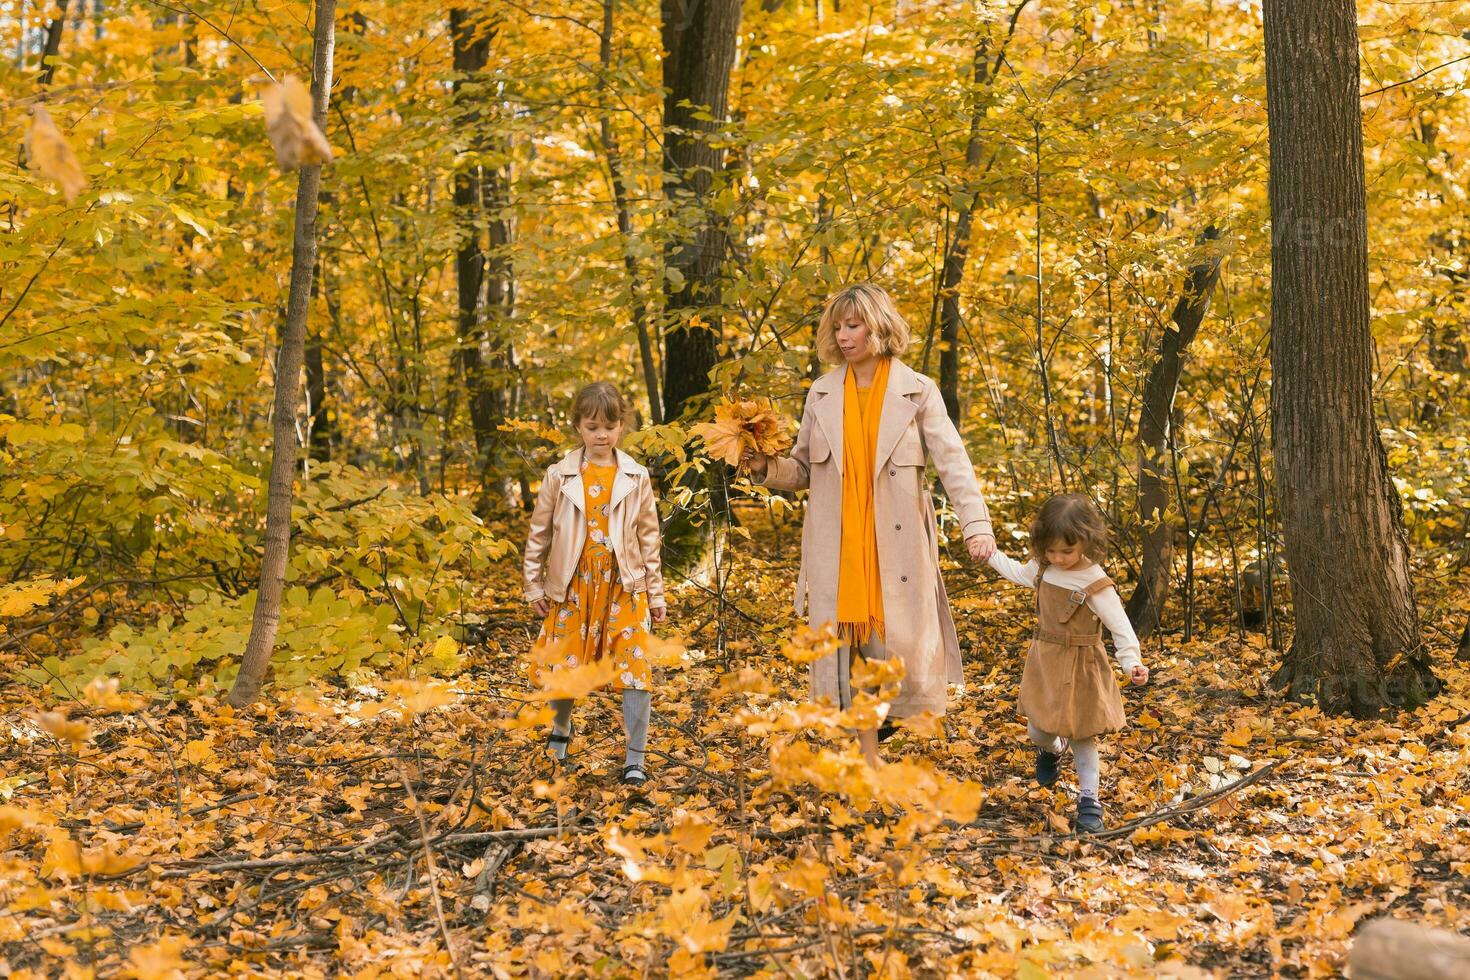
x: 755, y: 463
x: 1138, y: 675
x: 658, y: 613
x: 541, y: 606
x: 981, y: 546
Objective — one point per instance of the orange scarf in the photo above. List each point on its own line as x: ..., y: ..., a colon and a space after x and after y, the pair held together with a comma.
x: 859, y: 586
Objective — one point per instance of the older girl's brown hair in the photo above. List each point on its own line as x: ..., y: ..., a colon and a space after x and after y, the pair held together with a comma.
x: 1070, y: 518
x: 888, y: 330
x: 599, y: 400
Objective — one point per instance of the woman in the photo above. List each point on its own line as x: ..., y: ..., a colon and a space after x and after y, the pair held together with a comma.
x: 870, y: 544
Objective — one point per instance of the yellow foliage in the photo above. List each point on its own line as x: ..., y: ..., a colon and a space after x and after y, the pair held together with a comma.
x: 753, y: 424
x: 19, y: 598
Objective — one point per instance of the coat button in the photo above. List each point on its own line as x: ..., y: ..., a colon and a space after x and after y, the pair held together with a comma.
x: 898, y: 527
x: 903, y: 578
x: 893, y: 472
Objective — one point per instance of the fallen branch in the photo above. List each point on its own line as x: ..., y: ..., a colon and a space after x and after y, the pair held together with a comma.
x: 433, y: 870
x: 1190, y: 806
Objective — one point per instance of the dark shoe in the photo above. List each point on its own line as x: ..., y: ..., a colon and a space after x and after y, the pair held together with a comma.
x: 634, y: 775
x: 886, y: 731
x: 1089, y: 816
x: 1048, y: 767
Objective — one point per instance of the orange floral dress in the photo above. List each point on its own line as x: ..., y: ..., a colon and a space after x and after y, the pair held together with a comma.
x: 599, y: 618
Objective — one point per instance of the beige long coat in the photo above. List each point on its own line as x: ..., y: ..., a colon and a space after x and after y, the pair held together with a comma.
x: 918, y: 624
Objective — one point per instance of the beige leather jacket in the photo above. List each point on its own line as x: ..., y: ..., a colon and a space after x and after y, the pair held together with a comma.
x: 559, y: 529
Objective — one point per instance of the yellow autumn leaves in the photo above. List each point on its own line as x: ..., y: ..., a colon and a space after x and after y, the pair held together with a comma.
x: 740, y: 425
x: 294, y: 135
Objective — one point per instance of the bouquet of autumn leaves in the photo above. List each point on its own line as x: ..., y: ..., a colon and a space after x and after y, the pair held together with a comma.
x: 752, y: 424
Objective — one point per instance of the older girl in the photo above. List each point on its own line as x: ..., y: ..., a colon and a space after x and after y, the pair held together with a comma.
x: 870, y: 543
x: 593, y: 570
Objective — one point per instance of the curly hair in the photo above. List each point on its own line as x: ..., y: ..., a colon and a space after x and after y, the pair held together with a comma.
x: 888, y: 330
x: 1069, y: 517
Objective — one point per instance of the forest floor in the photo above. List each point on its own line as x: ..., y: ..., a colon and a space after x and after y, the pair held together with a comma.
x: 1250, y: 837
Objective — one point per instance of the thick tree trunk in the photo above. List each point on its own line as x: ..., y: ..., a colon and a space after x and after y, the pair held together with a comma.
x: 289, y: 359
x: 1146, y: 604
x: 699, y: 53
x: 1356, y: 646
x: 485, y: 286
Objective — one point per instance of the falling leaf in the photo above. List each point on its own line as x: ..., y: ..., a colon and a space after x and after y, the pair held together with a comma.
x: 57, y: 725
x: 102, y: 692
x: 288, y: 122
x: 746, y: 680
x: 160, y: 960
x: 52, y: 155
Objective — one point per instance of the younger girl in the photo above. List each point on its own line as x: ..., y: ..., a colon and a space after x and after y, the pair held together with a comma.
x: 1068, y: 694
x: 593, y: 569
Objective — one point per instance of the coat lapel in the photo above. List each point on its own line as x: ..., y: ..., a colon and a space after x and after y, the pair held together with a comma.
x: 829, y: 410
x: 898, y: 410
x: 626, y: 481
x: 571, y: 470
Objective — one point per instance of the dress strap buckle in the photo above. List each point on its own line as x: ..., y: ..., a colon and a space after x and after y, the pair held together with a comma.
x: 1078, y: 597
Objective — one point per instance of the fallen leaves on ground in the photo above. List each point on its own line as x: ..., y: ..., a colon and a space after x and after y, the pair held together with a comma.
x: 177, y: 836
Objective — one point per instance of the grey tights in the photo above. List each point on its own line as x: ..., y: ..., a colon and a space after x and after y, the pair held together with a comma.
x: 1084, y: 753
x: 636, y: 709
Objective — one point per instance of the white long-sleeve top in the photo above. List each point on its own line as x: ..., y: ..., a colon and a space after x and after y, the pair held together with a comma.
x: 1106, y: 604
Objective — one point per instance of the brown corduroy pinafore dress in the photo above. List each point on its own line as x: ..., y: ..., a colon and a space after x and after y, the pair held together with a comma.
x: 1068, y: 687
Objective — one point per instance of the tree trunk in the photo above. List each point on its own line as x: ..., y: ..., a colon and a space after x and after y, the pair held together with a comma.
x: 289, y: 359
x: 54, y: 30
x: 699, y: 53
x: 958, y: 253
x: 481, y: 194
x: 322, y: 430
x: 1146, y: 605
x: 1356, y: 646
x: 625, y: 217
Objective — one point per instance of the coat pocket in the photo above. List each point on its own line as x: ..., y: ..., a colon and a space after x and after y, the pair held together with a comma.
x: 909, y: 450
x: 820, y: 450
x: 907, y: 462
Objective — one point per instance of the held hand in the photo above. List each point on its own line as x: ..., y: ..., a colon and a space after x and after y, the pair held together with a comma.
x: 541, y: 606
x: 658, y: 613
x: 1138, y: 675
x: 981, y: 546
x: 755, y: 463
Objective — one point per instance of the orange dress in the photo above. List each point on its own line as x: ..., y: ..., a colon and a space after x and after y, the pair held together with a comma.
x: 599, y: 618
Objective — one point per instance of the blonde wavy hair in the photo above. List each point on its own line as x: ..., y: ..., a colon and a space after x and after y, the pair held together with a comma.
x: 888, y: 331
